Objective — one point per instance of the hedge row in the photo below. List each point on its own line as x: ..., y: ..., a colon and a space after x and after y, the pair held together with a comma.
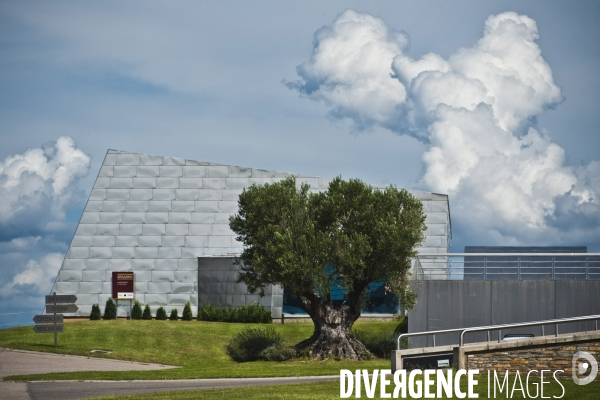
x: 253, y: 313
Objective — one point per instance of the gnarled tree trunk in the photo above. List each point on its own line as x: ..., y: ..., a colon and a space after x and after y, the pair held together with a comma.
x: 332, y: 337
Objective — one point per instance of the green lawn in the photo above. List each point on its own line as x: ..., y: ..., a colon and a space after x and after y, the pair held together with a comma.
x: 331, y: 390
x: 196, y: 346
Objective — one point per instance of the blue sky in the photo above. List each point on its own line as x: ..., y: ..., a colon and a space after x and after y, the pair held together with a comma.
x: 264, y: 84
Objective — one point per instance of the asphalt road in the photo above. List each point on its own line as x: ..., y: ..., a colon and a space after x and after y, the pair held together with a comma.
x: 17, y: 362
x: 70, y: 390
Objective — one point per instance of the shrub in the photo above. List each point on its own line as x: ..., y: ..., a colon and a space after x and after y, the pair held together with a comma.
x: 161, y: 314
x: 147, y: 313
x: 380, y: 343
x: 253, y: 313
x: 173, y: 316
x: 110, y: 311
x: 95, y: 314
x: 208, y: 313
x: 136, y: 311
x: 277, y: 353
x: 228, y: 315
x: 243, y: 314
x: 402, y: 327
x: 248, y: 344
x: 187, y: 312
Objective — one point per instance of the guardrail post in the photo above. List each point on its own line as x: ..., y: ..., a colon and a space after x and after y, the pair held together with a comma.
x: 488, y: 335
x: 433, y: 340
x: 484, y: 268
x: 499, y: 335
x: 553, y: 259
x: 519, y: 268
x: 587, y: 268
x: 542, y: 330
x: 556, y: 330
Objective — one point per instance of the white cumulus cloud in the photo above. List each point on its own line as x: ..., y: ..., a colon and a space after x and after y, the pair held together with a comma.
x: 37, y: 186
x: 476, y: 110
x: 351, y: 67
x: 35, y: 278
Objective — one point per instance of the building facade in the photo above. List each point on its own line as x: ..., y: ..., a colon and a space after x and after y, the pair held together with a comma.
x: 167, y: 220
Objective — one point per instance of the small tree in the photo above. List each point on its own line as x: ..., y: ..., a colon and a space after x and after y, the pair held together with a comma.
x: 147, y: 313
x: 110, y: 311
x: 310, y: 243
x: 136, y: 311
x: 187, y: 312
x: 161, y: 314
x: 173, y: 316
x: 95, y: 315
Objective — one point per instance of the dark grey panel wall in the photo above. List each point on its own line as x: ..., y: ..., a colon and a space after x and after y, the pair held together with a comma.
x: 462, y: 304
x: 217, y: 286
x: 577, y: 298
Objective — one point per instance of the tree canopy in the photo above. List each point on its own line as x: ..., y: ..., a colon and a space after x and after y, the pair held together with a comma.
x: 349, y: 236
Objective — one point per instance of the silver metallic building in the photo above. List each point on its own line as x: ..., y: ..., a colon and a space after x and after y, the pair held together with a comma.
x: 162, y: 217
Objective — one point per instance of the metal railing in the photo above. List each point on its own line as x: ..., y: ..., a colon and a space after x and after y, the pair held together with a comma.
x: 519, y: 266
x: 418, y: 270
x: 499, y: 328
x: 554, y: 322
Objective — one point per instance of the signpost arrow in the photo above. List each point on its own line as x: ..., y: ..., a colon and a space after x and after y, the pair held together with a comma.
x: 48, y: 328
x: 64, y: 308
x: 61, y: 298
x: 39, y: 319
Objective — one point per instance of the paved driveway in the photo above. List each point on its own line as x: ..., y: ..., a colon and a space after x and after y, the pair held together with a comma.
x: 20, y: 362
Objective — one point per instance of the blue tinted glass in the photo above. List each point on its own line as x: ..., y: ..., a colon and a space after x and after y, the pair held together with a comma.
x: 379, y: 301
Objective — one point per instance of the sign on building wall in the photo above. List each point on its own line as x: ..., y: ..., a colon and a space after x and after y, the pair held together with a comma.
x: 122, y: 285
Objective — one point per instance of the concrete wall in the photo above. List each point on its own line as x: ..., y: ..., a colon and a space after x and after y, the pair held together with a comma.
x: 462, y: 304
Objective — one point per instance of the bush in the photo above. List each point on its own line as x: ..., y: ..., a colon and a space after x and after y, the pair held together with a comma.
x: 95, y: 314
x: 161, y: 314
x: 402, y: 327
x: 173, y: 316
x: 250, y: 343
x: 380, y: 344
x: 187, y: 312
x: 277, y: 353
x: 110, y: 311
x: 147, y: 313
x: 136, y: 311
x: 209, y: 313
x: 254, y: 313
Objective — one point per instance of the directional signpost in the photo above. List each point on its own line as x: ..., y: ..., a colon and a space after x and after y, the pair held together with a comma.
x: 49, y: 328
x: 53, y: 308
x: 61, y: 298
x: 45, y: 319
x: 63, y: 308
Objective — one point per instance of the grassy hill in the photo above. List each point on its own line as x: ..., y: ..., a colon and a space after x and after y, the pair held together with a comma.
x: 196, y: 346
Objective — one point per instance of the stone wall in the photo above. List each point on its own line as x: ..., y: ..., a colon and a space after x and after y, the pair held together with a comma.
x: 552, y: 358
x: 549, y: 353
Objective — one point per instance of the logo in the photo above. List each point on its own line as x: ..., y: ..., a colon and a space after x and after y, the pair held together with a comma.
x: 582, y: 367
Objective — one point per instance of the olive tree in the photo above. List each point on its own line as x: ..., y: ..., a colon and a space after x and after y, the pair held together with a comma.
x: 348, y: 236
